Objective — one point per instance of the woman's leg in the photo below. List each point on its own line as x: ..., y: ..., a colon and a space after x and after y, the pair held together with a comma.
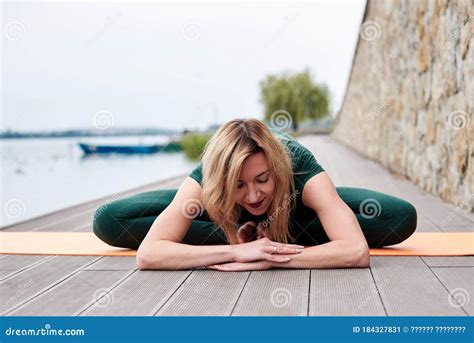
x: 384, y: 219
x: 125, y: 222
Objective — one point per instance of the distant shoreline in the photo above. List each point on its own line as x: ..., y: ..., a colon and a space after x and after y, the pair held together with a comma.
x: 91, y: 133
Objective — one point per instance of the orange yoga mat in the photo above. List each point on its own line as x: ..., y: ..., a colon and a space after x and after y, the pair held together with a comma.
x: 86, y: 243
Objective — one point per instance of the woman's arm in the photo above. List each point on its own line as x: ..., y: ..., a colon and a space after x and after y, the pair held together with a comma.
x: 335, y: 254
x: 174, y: 256
x: 161, y: 248
x: 348, y: 246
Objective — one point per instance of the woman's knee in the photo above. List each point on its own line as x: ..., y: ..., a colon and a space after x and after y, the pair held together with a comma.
x: 406, y: 218
x: 106, y: 223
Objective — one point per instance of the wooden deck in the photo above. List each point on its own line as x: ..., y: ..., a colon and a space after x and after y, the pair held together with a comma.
x: 392, y: 286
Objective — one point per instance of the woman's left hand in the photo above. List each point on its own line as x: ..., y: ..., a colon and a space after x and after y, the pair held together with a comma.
x: 242, y: 266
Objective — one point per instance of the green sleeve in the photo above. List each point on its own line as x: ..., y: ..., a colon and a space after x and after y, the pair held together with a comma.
x: 196, y: 173
x: 305, y: 165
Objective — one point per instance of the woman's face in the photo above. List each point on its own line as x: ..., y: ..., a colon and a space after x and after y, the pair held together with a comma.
x: 256, y: 184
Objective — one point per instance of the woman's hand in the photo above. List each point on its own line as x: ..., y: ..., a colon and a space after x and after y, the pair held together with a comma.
x: 264, y: 249
x: 242, y: 267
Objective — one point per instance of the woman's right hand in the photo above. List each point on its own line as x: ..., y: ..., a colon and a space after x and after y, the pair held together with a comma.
x: 264, y: 249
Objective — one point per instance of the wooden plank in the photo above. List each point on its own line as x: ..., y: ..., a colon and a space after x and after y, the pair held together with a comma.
x: 444, y: 215
x: 449, y: 261
x: 69, y: 223
x: 317, y: 146
x: 460, y: 284
x: 322, y: 149
x: 18, y: 262
x: 275, y: 292
x: 344, y: 292
x: 75, y: 293
x: 34, y: 281
x: 426, y: 225
x: 206, y: 293
x: 21, y: 263
x: 114, y: 263
x: 6, y: 273
x: 142, y: 294
x: 59, y: 216
x: 409, y: 288
x: 83, y: 228
x: 468, y: 215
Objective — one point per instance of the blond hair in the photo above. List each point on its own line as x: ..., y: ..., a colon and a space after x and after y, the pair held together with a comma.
x: 222, y: 160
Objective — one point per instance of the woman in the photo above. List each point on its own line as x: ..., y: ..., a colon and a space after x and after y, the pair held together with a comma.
x: 253, y: 202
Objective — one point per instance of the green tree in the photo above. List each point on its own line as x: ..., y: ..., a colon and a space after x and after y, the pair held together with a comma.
x: 193, y: 145
x: 290, y: 99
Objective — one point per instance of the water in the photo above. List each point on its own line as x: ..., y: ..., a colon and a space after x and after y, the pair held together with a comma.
x: 42, y: 175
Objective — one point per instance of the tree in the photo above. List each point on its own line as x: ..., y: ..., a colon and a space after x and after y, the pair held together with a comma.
x: 290, y: 99
x: 193, y: 145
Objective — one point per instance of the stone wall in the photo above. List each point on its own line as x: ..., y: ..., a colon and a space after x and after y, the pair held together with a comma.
x: 409, y: 102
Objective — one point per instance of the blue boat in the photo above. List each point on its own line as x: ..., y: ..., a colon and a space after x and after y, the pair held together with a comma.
x: 119, y: 149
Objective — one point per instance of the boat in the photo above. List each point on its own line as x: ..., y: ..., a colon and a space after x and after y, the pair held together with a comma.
x: 119, y: 149
x: 173, y: 146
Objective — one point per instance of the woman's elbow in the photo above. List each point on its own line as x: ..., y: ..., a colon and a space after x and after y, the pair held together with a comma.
x: 142, y: 261
x: 358, y: 256
x: 141, y: 265
x: 145, y: 260
x: 362, y: 259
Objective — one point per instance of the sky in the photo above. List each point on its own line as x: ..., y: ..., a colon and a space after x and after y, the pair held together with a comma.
x: 176, y: 65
